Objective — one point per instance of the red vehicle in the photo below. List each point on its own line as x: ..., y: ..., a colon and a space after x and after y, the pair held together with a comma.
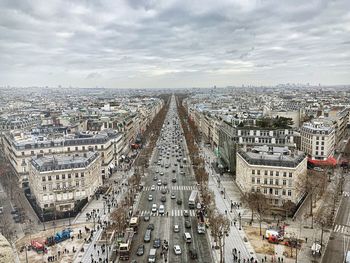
x: 38, y: 247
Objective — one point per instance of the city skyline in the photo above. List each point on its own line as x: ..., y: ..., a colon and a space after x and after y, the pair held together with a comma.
x: 150, y: 44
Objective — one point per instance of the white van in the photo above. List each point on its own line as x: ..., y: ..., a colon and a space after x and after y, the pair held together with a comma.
x: 152, y: 256
x: 187, y: 237
x: 154, y: 208
x: 161, y: 209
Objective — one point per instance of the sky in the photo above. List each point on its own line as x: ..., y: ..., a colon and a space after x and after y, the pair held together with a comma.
x: 161, y: 44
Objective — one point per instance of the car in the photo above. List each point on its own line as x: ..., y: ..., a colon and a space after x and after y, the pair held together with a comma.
x: 156, y: 243
x: 150, y: 197
x: 165, y: 183
x: 164, y: 191
x: 155, y: 178
x: 157, y: 171
x: 175, y: 164
x: 159, y: 183
x: 174, y: 170
x: 146, y: 217
x: 14, y: 211
x: 181, y: 166
x: 177, y: 250
x: 154, y: 208
x: 176, y: 228
x: 153, y: 187
x: 163, y: 198
x: 140, y: 250
x: 179, y: 201
x: 187, y: 224
x: 193, y: 253
x: 161, y: 173
x: 182, y: 173
x: 173, y: 180
x: 186, y: 213
x: 150, y: 226
x: 173, y: 196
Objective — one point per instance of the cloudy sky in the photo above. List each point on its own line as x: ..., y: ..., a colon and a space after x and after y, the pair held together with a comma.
x: 158, y: 43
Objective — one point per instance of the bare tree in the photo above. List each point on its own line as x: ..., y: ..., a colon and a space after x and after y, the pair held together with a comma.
x: 313, y: 184
x: 220, y: 227
x: 259, y: 204
x: 119, y: 219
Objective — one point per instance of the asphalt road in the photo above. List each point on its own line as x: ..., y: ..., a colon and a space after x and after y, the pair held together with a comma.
x: 163, y: 225
x: 339, y: 242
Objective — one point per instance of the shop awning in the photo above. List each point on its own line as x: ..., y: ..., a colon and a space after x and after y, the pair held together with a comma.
x: 331, y: 161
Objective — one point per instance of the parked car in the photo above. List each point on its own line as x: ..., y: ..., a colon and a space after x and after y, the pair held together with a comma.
x: 179, y: 201
x: 173, y: 196
x: 146, y: 217
x: 163, y: 198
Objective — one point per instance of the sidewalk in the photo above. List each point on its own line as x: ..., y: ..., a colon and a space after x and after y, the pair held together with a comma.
x: 236, y: 238
x: 300, y: 227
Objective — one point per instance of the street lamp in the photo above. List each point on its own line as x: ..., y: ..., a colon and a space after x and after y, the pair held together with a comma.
x: 240, y: 221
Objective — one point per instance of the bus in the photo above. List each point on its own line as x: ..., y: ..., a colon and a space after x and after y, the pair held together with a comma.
x: 134, y: 223
x: 125, y: 245
x: 193, y: 199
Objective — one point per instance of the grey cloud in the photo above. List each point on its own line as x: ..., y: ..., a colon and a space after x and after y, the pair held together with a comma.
x: 147, y: 42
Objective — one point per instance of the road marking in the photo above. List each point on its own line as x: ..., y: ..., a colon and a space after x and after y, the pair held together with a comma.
x: 341, y: 229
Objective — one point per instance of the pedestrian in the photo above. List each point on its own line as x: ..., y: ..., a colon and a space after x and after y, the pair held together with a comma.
x: 306, y: 239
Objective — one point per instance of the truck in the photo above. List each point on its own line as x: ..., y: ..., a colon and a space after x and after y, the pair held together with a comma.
x: 58, y: 237
x: 134, y: 223
x: 192, y: 201
x: 124, y: 248
x: 38, y: 247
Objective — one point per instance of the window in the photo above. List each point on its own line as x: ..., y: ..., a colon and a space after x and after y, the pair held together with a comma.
x: 82, y: 175
x: 316, y: 152
x: 83, y: 148
x: 284, y: 182
x: 44, y: 187
x: 271, y: 181
x: 76, y: 148
x: 283, y: 192
x: 289, y: 192
x: 271, y: 173
x: 43, y: 178
x: 22, y: 153
x: 284, y: 174
x: 76, y: 175
x: 276, y: 182
x: 32, y: 153
x: 63, y: 176
x: 253, y: 171
x: 277, y: 173
x: 290, y: 174
x: 270, y: 190
x: 265, y: 172
x: 276, y: 201
x: 258, y: 180
x: 57, y: 177
x: 276, y: 191
x: 253, y: 180
x: 49, y: 177
x: 317, y: 142
x: 68, y: 149
x: 77, y: 183
x: 258, y: 172
x: 69, y: 176
x: 258, y: 190
x: 321, y: 153
x: 265, y: 190
x: 265, y: 180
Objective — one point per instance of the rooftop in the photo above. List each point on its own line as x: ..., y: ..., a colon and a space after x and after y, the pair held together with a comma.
x: 272, y: 156
x: 62, y: 162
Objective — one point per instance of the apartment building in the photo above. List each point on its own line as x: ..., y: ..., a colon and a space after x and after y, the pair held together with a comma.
x: 272, y: 171
x: 318, y: 139
x: 58, y: 181
x: 21, y: 147
x: 232, y: 137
